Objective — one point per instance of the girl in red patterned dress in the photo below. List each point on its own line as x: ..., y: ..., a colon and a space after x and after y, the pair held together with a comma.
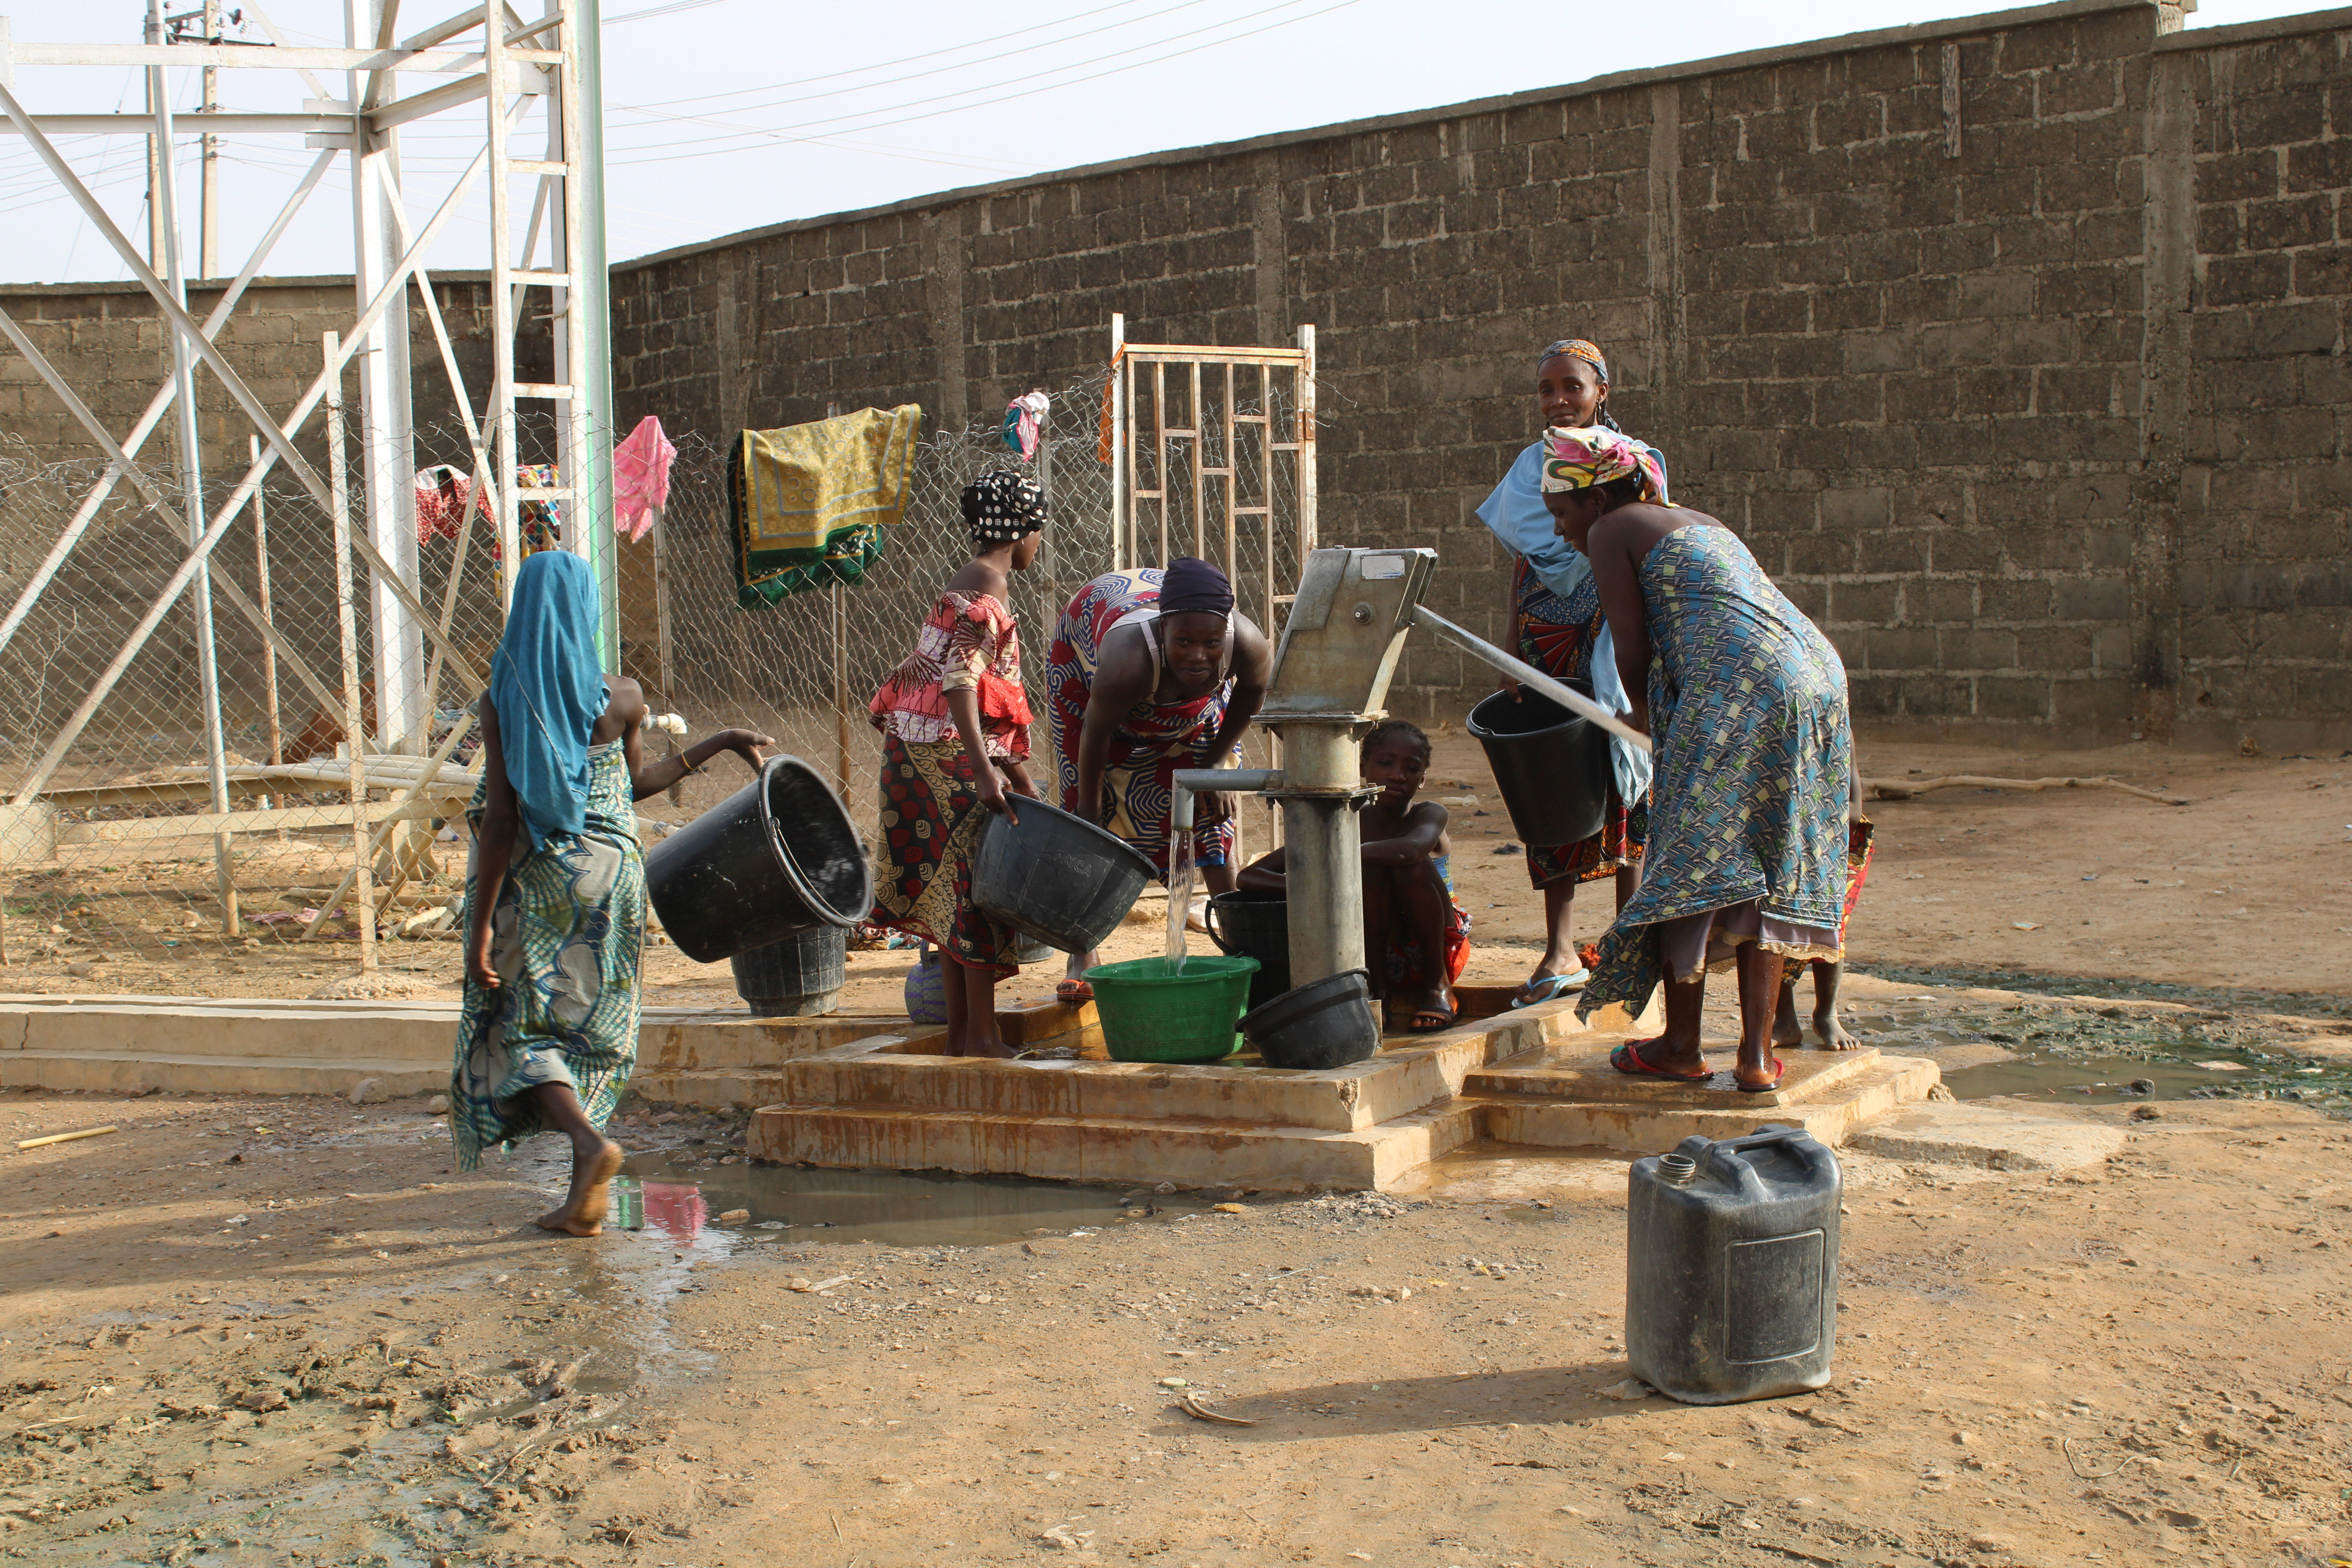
x: 955, y: 735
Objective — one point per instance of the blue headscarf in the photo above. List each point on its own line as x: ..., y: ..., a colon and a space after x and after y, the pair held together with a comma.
x: 548, y: 687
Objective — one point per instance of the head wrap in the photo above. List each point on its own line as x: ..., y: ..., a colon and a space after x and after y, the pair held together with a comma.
x: 1590, y: 352
x: 1578, y: 459
x: 1001, y: 507
x: 1192, y: 584
x: 1577, y: 348
x: 548, y: 687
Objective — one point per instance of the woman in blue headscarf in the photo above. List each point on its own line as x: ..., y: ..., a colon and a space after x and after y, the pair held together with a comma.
x: 1556, y: 624
x: 555, y: 893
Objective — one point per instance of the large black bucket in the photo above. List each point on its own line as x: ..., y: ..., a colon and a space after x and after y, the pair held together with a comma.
x: 1056, y: 877
x: 1255, y: 924
x: 775, y: 858
x: 1551, y: 765
x: 798, y: 977
x: 1326, y: 1023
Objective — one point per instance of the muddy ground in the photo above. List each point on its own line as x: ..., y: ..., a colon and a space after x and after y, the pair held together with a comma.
x: 244, y: 1331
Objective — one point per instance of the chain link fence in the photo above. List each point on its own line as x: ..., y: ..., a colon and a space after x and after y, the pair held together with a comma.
x: 112, y: 841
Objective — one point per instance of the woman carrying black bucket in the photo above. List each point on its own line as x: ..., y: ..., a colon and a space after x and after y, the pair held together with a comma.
x: 1557, y: 625
x: 955, y: 734
x: 556, y: 892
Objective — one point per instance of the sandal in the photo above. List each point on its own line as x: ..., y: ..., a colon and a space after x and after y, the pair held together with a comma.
x: 1630, y: 1052
x: 1073, y: 992
x: 1549, y: 987
x: 1779, y: 1070
x: 1431, y: 1020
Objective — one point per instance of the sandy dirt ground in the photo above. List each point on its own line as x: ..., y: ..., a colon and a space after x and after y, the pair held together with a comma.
x: 286, y: 1331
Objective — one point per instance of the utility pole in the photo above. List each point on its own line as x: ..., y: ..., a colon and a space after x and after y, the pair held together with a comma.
x: 208, y: 225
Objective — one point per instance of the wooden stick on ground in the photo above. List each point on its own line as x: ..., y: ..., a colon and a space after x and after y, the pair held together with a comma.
x: 65, y: 1137
x: 1903, y: 789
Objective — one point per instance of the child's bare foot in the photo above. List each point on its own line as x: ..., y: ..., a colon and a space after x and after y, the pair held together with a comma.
x: 1833, y: 1036
x: 994, y: 1050
x: 583, y: 1208
x: 1785, y: 1030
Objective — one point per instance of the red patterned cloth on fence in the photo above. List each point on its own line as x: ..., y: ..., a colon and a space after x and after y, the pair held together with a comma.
x: 1152, y: 741
x: 967, y: 641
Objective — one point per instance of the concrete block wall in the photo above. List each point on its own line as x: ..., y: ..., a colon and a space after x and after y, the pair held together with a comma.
x: 2013, y: 344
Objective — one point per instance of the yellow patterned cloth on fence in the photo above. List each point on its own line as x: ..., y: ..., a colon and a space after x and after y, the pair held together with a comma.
x: 810, y: 501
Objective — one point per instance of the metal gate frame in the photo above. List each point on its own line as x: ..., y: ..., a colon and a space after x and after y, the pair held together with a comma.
x: 1129, y: 437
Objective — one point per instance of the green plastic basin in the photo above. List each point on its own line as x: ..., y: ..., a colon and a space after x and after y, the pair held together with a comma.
x: 1151, y: 1014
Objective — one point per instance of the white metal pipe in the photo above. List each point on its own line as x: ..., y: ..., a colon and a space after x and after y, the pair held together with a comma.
x: 1527, y: 674
x: 191, y: 468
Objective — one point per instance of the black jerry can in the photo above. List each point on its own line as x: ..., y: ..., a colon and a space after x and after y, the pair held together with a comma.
x: 1731, y: 1262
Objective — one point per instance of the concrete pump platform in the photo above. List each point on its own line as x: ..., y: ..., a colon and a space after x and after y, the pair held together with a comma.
x: 868, y: 1090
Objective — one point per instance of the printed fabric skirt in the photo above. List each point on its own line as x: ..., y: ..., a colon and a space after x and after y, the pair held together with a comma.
x: 567, y: 935
x: 1556, y: 636
x: 931, y: 818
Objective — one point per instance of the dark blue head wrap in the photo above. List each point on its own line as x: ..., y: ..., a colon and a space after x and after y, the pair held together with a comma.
x: 1193, y: 583
x: 548, y: 687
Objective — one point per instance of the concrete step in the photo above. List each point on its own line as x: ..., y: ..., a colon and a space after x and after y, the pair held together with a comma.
x: 132, y: 1072
x: 1189, y: 1151
x: 1578, y: 1069
x: 1655, y: 1124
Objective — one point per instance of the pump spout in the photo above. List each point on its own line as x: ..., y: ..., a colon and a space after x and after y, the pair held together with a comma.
x: 1190, y: 780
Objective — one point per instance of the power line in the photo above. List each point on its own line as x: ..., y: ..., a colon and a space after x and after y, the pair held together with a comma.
x: 910, y: 59
x: 783, y: 134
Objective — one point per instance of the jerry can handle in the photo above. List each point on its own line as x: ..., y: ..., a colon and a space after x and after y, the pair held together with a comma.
x: 1729, y: 1156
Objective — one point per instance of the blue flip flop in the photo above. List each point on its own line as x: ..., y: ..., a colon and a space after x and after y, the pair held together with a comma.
x: 1549, y: 987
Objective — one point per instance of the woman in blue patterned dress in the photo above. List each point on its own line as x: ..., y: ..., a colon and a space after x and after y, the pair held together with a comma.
x: 555, y: 893
x: 1745, y: 703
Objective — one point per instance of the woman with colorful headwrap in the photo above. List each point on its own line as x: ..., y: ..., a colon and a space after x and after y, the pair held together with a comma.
x: 955, y: 733
x: 555, y: 891
x: 1153, y: 670
x: 1557, y: 625
x: 1745, y: 703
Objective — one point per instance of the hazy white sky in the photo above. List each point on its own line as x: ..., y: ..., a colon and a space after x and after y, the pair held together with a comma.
x: 725, y: 115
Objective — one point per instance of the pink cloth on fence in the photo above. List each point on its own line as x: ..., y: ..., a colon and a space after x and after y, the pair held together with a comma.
x: 641, y: 478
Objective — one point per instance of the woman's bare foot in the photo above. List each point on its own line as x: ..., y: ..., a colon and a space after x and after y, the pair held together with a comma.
x: 584, y: 1207
x: 1833, y: 1036
x: 994, y: 1050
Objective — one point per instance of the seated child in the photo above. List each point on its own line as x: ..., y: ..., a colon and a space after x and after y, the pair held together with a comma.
x: 1416, y: 938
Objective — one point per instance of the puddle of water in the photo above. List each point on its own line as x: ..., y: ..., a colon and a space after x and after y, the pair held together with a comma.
x: 896, y: 1209
x: 2092, y: 1079
x: 2096, y: 1079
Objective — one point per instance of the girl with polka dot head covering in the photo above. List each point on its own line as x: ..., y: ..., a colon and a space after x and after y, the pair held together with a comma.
x: 1001, y: 507
x: 955, y: 746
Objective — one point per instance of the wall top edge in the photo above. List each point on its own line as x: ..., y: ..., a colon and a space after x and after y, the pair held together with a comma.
x: 1616, y: 81
x: 216, y: 285
x: 2256, y: 32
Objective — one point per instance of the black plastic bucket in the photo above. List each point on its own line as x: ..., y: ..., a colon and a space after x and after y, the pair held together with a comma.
x: 1056, y: 877
x: 1326, y: 1023
x: 798, y: 977
x: 1253, y: 924
x: 775, y: 858
x: 1551, y: 765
